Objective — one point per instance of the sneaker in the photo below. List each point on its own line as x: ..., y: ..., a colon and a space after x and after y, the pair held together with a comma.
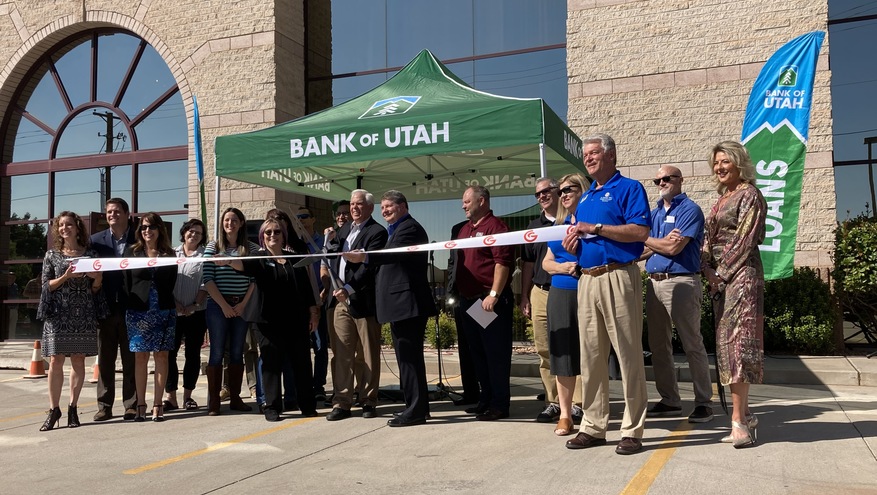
x: 550, y: 415
x: 661, y: 409
x: 701, y: 414
x: 577, y: 414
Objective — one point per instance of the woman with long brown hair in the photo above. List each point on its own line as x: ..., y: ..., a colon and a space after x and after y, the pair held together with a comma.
x: 151, y: 314
x: 70, y: 307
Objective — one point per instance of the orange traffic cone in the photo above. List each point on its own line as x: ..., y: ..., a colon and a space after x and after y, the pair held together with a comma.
x: 37, y: 365
x: 95, y: 371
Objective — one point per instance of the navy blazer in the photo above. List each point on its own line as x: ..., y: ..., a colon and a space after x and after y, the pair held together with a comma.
x: 113, y: 281
x: 402, y: 278
x: 360, y: 276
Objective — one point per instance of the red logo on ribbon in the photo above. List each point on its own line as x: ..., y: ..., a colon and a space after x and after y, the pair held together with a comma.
x: 73, y: 268
x: 530, y: 236
x: 413, y: 248
x: 489, y: 240
x: 96, y: 265
x: 124, y: 263
x: 450, y: 244
x: 570, y: 229
x: 152, y: 262
x: 180, y: 261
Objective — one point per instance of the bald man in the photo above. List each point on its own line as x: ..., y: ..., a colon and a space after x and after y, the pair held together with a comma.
x: 673, y: 296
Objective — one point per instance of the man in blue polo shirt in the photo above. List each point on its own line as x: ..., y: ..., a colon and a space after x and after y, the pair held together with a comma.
x: 673, y: 296
x: 612, y: 225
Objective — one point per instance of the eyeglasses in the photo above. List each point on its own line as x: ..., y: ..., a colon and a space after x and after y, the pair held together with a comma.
x: 547, y: 190
x: 569, y: 189
x: 342, y: 214
x: 144, y: 228
x: 303, y: 216
x: 273, y: 232
x: 666, y: 178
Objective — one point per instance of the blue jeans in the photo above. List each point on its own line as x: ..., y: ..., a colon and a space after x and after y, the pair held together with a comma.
x: 230, y: 331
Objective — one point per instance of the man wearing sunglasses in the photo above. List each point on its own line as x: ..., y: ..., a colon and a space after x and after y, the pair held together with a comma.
x: 673, y: 296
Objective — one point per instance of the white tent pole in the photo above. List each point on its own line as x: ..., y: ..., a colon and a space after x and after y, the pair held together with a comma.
x: 543, y: 167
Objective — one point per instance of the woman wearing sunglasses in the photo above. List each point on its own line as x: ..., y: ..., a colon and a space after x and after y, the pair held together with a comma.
x: 289, y: 315
x: 563, y: 326
x: 151, y: 312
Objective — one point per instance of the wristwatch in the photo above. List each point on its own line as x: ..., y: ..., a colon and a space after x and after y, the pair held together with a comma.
x: 492, y: 293
x: 597, y: 228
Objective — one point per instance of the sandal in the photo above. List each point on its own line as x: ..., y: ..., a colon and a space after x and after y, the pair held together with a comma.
x: 564, y: 427
x: 169, y: 406
x: 190, y: 405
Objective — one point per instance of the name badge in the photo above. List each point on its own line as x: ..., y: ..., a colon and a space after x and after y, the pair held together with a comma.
x: 670, y: 219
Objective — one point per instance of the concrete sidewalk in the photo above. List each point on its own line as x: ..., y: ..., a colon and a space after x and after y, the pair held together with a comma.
x: 779, y: 370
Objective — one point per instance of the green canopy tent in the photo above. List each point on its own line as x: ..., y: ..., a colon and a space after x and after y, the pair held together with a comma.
x: 423, y: 132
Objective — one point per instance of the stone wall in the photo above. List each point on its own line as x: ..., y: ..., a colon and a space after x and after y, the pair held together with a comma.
x: 670, y: 78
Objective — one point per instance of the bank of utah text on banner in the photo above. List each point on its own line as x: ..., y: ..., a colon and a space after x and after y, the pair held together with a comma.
x: 775, y: 133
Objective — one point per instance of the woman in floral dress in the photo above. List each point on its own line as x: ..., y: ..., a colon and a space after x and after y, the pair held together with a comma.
x: 732, y: 265
x: 151, y: 312
x: 69, y: 306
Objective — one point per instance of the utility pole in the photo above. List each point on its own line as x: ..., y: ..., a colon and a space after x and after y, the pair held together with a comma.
x: 108, y: 118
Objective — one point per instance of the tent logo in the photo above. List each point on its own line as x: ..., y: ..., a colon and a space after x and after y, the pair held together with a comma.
x: 391, y: 106
x: 788, y: 76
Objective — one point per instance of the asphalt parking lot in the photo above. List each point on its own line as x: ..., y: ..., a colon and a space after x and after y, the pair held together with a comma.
x: 812, y: 439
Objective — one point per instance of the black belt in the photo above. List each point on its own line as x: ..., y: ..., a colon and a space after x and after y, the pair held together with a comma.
x: 666, y: 276
x: 544, y: 287
x: 233, y: 300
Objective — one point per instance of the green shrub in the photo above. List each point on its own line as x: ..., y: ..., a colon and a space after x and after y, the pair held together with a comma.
x: 855, y: 271
x: 522, y: 327
x: 799, y: 314
x: 447, y: 332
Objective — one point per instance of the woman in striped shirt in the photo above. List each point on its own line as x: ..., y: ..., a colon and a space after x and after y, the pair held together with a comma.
x: 229, y: 293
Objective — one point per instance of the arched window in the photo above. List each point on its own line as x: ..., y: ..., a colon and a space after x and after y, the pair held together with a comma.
x: 98, y: 116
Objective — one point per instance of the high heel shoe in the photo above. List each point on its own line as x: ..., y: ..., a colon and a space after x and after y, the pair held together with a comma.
x: 740, y: 442
x: 158, y: 416
x: 141, y: 413
x: 751, y: 422
x: 72, y: 417
x: 52, y: 420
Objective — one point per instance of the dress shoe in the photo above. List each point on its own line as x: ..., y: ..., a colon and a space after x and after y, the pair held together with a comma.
x: 479, y: 409
x: 338, y: 414
x: 584, y: 441
x: 369, y: 412
x: 272, y: 415
x: 492, y: 415
x: 130, y: 414
x: 309, y: 414
x: 399, y: 413
x: 629, y: 445
x: 661, y: 409
x: 400, y: 421
x: 104, y: 414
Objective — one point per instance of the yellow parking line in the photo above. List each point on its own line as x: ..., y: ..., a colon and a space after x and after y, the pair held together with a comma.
x: 218, y: 446
x: 642, y: 481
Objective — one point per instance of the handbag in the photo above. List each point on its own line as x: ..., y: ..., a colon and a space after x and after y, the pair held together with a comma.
x: 253, y: 311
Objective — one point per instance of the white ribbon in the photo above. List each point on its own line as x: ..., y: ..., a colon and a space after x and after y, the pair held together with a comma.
x: 544, y: 234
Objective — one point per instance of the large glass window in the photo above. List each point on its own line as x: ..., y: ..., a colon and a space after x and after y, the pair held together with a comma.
x: 71, y: 137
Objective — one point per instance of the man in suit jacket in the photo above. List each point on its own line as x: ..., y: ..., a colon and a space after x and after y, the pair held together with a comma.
x: 352, y: 317
x: 112, y: 335
x: 405, y: 301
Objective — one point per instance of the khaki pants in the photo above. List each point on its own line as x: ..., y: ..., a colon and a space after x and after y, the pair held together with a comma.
x: 345, y: 334
x: 611, y: 312
x: 539, y: 314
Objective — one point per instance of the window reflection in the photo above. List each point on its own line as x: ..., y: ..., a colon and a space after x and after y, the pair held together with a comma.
x: 73, y: 73
x: 162, y: 186
x: 856, y: 190
x: 166, y: 126
x: 504, y: 25
x: 445, y: 28
x: 527, y: 75
x: 119, y: 184
x: 151, y: 79
x: 45, y: 102
x: 114, y: 55
x: 29, y: 196
x: 80, y: 191
x: 31, y: 142
x: 22, y: 283
x: 359, y: 35
x: 348, y: 88
x: 87, y: 134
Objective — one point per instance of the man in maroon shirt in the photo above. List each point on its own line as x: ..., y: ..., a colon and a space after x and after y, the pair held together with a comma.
x: 483, y: 278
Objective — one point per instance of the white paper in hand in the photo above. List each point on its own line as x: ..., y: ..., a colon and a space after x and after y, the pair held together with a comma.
x: 478, y: 314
